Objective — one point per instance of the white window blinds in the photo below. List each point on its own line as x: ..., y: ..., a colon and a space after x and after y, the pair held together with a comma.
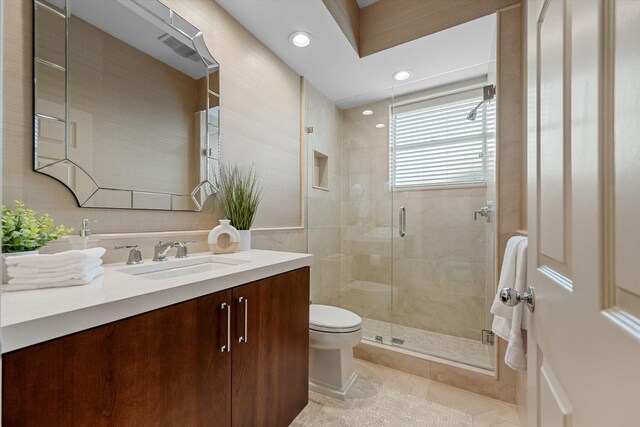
x: 433, y: 143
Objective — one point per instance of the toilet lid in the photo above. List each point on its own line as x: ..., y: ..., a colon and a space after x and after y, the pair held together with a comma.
x: 333, y: 319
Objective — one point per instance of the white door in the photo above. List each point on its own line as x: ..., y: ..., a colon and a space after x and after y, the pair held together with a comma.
x: 584, y: 212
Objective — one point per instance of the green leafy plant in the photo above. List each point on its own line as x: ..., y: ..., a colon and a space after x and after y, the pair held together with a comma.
x: 23, y: 230
x: 239, y: 195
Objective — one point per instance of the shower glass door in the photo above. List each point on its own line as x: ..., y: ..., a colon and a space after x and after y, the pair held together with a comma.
x: 441, y: 173
x: 366, y: 216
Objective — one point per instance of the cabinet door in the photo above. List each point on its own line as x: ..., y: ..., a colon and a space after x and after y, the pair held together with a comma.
x: 158, y: 368
x: 271, y: 369
x: 214, y: 364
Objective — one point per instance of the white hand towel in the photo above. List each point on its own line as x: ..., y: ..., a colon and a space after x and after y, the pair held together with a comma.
x: 85, y: 277
x: 510, y: 327
x: 515, y: 356
x: 503, y: 314
x: 56, y: 260
x: 34, y: 272
x: 85, y: 281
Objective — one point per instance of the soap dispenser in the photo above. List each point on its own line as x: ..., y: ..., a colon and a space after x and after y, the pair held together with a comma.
x: 84, y: 240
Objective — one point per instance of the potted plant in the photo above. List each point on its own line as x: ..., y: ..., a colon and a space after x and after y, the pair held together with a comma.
x: 23, y: 232
x: 239, y: 193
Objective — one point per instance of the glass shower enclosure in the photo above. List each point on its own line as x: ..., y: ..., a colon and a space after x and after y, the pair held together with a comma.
x: 403, y: 229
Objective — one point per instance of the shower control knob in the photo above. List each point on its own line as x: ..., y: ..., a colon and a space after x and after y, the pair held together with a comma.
x: 511, y: 297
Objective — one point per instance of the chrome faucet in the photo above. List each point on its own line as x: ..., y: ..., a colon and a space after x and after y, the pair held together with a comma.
x: 160, y: 250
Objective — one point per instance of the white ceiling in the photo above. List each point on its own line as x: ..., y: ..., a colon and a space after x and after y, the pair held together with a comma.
x: 331, y: 64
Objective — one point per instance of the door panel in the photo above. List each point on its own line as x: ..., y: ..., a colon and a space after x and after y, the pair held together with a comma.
x: 156, y: 369
x: 554, y: 166
x: 214, y: 366
x: 584, y: 342
x: 626, y: 156
x: 555, y: 407
x: 271, y: 368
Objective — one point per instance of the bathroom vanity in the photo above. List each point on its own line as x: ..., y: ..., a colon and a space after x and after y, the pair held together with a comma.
x: 173, y: 345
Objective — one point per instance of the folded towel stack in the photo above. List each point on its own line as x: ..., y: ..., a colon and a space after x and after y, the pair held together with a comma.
x: 70, y: 268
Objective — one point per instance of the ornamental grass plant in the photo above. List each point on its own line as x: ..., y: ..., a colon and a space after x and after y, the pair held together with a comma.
x: 239, y: 194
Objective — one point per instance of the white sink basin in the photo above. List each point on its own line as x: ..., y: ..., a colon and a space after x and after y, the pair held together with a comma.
x: 180, y: 267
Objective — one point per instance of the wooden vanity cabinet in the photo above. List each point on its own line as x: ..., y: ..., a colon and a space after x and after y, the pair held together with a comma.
x: 166, y: 367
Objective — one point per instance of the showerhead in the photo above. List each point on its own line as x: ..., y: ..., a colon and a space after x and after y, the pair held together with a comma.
x: 472, y: 114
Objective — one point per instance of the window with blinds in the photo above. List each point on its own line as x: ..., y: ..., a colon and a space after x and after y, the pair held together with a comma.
x: 433, y: 143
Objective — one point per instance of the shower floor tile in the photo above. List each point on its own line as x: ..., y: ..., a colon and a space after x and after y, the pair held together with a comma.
x: 462, y: 350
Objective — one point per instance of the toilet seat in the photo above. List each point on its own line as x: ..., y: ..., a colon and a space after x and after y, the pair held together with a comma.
x: 325, y: 318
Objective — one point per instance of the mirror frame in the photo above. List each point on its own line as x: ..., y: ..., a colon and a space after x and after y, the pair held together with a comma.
x: 162, y: 16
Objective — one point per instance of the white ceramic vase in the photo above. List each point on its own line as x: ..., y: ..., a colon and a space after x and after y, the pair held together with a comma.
x: 5, y: 276
x: 245, y: 240
x: 225, y: 228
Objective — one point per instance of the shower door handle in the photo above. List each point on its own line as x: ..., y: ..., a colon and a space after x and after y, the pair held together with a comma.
x: 402, y: 222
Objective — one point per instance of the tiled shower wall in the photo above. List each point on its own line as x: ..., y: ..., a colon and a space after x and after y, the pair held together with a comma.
x: 324, y: 205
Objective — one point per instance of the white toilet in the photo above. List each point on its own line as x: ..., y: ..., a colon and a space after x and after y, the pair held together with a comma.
x: 333, y: 332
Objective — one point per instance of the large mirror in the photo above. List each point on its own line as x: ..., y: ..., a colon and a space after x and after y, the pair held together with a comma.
x: 126, y: 104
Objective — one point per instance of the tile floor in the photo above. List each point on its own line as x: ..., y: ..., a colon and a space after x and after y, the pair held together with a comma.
x: 448, y: 347
x: 386, y: 397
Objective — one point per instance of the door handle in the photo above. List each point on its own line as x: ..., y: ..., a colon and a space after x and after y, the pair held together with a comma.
x: 226, y: 348
x: 243, y: 338
x: 511, y: 297
x: 402, y: 222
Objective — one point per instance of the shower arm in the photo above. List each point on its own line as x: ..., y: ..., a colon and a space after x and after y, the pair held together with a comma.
x: 488, y: 93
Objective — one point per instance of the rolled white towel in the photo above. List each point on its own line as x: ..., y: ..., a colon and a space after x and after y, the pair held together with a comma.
x: 34, y: 272
x: 83, y: 277
x: 59, y: 260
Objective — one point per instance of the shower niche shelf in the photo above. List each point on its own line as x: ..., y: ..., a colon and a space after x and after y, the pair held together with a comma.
x: 320, y: 171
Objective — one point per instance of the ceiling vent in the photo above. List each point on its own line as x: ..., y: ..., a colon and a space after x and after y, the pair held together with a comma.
x: 180, y: 48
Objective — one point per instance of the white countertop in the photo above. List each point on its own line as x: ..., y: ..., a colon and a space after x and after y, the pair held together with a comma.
x: 31, y: 317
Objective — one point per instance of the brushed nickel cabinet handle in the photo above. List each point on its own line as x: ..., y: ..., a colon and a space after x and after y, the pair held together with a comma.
x: 227, y: 347
x: 243, y: 338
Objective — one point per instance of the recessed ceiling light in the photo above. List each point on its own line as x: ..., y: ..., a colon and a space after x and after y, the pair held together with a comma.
x: 300, y: 39
x: 367, y: 112
x: 402, y: 75
x: 380, y: 125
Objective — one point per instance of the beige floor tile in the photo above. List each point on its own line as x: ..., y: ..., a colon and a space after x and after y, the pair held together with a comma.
x: 426, y: 403
x: 401, y: 381
x: 466, y: 401
x: 507, y: 414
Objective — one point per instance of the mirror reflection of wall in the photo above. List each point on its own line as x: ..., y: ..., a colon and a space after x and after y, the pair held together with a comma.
x: 135, y: 105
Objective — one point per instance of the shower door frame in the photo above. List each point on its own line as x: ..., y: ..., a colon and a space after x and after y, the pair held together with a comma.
x: 491, y: 255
